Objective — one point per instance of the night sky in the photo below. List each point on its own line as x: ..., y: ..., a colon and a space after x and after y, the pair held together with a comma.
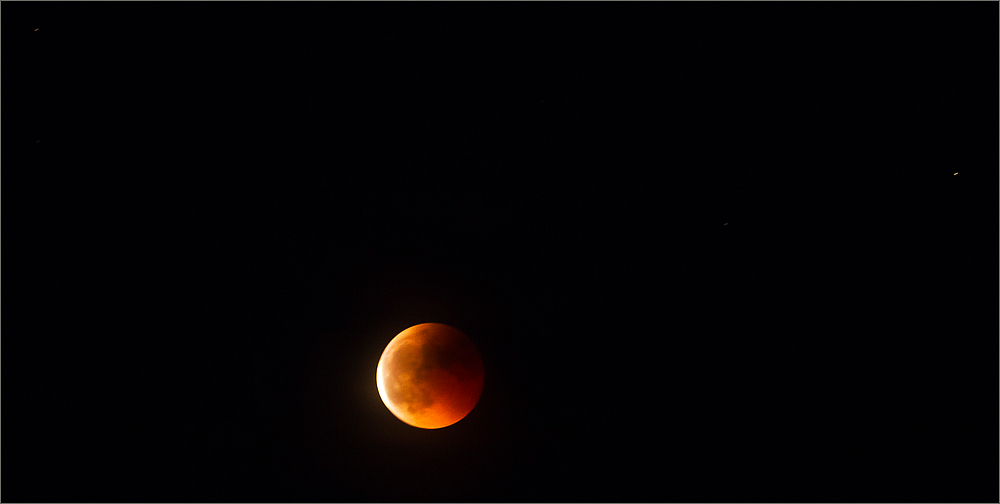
x: 708, y: 252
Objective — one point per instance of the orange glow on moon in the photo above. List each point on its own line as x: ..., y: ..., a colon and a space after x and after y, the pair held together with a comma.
x: 430, y: 376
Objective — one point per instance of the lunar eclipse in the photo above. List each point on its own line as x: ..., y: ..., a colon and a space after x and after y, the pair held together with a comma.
x: 430, y: 376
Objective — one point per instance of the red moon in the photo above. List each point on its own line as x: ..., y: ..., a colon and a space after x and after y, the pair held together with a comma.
x: 430, y: 376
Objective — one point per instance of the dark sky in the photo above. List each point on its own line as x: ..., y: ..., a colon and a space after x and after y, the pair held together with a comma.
x: 708, y: 252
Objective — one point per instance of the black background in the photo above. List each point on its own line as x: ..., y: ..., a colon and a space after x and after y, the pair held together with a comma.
x: 709, y: 252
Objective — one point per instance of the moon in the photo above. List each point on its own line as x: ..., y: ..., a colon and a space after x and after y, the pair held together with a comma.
x: 430, y: 376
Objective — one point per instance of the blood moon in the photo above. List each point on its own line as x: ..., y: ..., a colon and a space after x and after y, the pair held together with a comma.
x: 430, y: 376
